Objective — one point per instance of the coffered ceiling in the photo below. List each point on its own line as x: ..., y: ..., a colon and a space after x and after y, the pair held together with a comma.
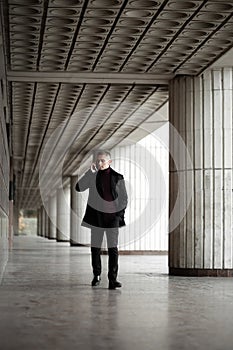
x: 92, y: 71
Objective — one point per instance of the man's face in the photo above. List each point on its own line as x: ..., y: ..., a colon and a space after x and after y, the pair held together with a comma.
x: 103, y: 161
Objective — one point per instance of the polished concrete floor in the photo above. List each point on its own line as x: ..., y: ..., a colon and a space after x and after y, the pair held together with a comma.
x: 46, y: 303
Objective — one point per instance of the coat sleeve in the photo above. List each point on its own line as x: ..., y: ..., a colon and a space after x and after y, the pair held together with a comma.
x: 84, y: 183
x: 122, y: 196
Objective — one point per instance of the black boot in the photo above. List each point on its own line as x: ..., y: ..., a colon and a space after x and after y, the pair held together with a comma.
x: 113, y: 268
x: 96, y: 261
x: 96, y: 281
x: 114, y: 285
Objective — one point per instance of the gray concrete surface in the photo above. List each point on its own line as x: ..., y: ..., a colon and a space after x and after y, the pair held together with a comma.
x: 46, y: 302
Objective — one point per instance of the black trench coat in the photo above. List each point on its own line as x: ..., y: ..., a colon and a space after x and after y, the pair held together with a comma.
x: 94, y: 214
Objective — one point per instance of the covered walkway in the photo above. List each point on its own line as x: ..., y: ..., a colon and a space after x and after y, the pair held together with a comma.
x: 46, y: 302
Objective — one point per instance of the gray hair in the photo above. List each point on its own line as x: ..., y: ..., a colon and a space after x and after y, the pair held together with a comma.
x: 103, y: 151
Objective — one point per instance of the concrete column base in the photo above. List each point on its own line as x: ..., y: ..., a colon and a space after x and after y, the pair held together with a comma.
x: 176, y: 271
x: 62, y: 240
x: 76, y: 244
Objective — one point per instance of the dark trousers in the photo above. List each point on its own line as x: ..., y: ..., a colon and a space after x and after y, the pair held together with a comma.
x: 97, y: 235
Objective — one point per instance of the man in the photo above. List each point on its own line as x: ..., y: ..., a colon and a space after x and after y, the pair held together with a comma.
x: 105, y: 211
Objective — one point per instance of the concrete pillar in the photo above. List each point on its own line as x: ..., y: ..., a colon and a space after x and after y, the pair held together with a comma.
x: 43, y: 221
x: 79, y: 235
x: 74, y: 219
x: 52, y: 220
x: 63, y: 214
x: 46, y: 219
x: 201, y: 111
x: 40, y: 221
x: 16, y: 220
x: 11, y: 206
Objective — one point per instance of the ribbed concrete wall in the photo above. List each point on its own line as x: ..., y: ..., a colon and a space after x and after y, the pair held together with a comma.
x: 63, y: 214
x: 145, y: 169
x: 52, y: 217
x: 4, y: 184
x: 201, y: 110
x: 78, y: 233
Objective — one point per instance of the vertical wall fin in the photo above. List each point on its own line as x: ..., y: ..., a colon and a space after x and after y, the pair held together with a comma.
x: 203, y: 106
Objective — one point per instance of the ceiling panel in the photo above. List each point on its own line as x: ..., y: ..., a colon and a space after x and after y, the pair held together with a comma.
x: 60, y: 54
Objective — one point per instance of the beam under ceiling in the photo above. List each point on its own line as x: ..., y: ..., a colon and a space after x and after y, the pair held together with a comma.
x: 89, y: 78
